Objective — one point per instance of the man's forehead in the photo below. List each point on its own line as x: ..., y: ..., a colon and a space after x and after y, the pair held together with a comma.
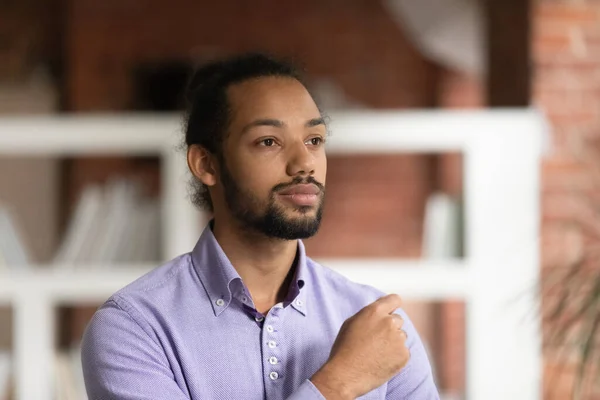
x: 268, y: 89
x: 273, y: 98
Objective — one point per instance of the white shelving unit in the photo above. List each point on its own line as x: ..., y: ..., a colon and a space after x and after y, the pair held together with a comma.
x: 501, y: 152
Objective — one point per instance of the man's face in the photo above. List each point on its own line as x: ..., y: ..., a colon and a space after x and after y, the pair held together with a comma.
x: 273, y: 175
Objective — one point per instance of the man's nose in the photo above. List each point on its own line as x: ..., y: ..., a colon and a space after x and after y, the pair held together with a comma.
x: 301, y: 161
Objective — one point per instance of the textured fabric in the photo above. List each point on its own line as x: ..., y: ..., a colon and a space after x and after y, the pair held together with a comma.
x: 189, y: 330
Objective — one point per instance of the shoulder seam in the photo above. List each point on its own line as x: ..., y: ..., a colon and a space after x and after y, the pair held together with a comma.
x: 126, y: 310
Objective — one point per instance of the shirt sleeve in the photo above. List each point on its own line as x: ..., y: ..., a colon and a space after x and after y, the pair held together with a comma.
x: 122, y: 361
x: 306, y: 391
x: 415, y: 381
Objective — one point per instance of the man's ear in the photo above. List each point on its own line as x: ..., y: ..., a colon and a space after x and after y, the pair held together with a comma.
x: 202, y: 163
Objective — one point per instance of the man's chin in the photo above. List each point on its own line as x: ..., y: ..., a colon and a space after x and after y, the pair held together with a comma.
x: 301, y: 213
x: 293, y: 225
x: 300, y: 231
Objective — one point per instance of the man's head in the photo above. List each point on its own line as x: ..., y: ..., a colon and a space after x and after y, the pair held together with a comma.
x: 255, y: 141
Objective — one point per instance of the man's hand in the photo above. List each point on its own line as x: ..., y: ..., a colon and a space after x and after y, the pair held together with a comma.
x: 368, y: 351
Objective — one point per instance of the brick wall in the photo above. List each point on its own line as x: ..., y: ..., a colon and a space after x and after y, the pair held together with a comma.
x: 566, y: 44
x: 334, y: 38
x: 566, y: 86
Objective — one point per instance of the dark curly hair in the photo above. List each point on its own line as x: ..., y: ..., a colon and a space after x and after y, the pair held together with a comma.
x: 208, y: 113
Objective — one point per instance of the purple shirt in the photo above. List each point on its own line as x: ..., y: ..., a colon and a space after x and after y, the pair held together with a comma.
x: 189, y: 330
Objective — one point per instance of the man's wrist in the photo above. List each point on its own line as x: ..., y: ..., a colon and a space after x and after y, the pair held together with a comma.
x: 331, y: 383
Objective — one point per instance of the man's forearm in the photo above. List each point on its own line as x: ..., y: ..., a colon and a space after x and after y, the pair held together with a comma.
x: 331, y: 385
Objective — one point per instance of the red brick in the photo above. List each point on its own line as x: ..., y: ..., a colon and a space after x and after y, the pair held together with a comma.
x: 568, y: 12
x: 568, y: 105
x: 453, y: 350
x: 572, y: 209
x: 552, y: 78
x: 551, y: 44
x: 567, y: 176
x: 562, y: 245
x: 457, y: 90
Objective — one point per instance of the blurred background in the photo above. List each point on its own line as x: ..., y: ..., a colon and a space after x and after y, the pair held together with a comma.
x: 110, y: 57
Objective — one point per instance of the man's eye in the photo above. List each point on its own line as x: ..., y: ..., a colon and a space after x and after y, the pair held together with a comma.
x: 316, y: 141
x: 267, y: 142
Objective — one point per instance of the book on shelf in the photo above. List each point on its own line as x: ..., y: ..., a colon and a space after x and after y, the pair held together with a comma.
x: 112, y: 224
x: 144, y: 231
x: 88, y: 209
x: 13, y: 252
x: 119, y: 204
x: 442, y: 233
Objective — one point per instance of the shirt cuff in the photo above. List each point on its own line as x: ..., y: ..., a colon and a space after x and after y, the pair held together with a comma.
x: 307, y: 391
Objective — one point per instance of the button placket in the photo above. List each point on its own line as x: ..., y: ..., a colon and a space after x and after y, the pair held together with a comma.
x: 272, y: 355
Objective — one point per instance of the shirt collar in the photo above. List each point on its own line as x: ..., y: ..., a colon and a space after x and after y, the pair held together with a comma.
x: 222, y: 282
x: 297, y: 293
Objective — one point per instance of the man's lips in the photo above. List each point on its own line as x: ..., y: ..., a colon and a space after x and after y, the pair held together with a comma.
x: 301, y: 195
x: 300, y: 189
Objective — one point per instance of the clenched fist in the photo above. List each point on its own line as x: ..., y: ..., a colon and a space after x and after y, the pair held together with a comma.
x: 368, y: 351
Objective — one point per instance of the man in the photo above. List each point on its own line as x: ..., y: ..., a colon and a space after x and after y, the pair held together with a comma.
x: 247, y: 315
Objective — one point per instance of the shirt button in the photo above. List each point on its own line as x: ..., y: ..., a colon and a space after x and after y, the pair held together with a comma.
x: 272, y: 344
x: 259, y: 319
x: 244, y: 299
x: 274, y: 375
x: 273, y: 360
x: 299, y: 303
x: 220, y: 302
x: 269, y: 329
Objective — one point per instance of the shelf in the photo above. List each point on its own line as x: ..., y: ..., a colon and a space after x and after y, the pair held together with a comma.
x: 93, y: 285
x: 410, y: 278
x: 414, y: 279
x: 151, y: 133
x: 136, y: 134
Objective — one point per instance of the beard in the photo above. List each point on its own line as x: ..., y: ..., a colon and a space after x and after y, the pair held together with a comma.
x: 272, y: 221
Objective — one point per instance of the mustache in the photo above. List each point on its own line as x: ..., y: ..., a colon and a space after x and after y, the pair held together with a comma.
x: 299, y: 181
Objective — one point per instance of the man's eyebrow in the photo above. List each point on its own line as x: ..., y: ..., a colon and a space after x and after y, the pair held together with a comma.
x: 315, y: 122
x: 263, y: 122
x: 280, y: 124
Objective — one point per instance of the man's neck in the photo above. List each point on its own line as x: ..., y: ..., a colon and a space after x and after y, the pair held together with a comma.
x: 264, y: 264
